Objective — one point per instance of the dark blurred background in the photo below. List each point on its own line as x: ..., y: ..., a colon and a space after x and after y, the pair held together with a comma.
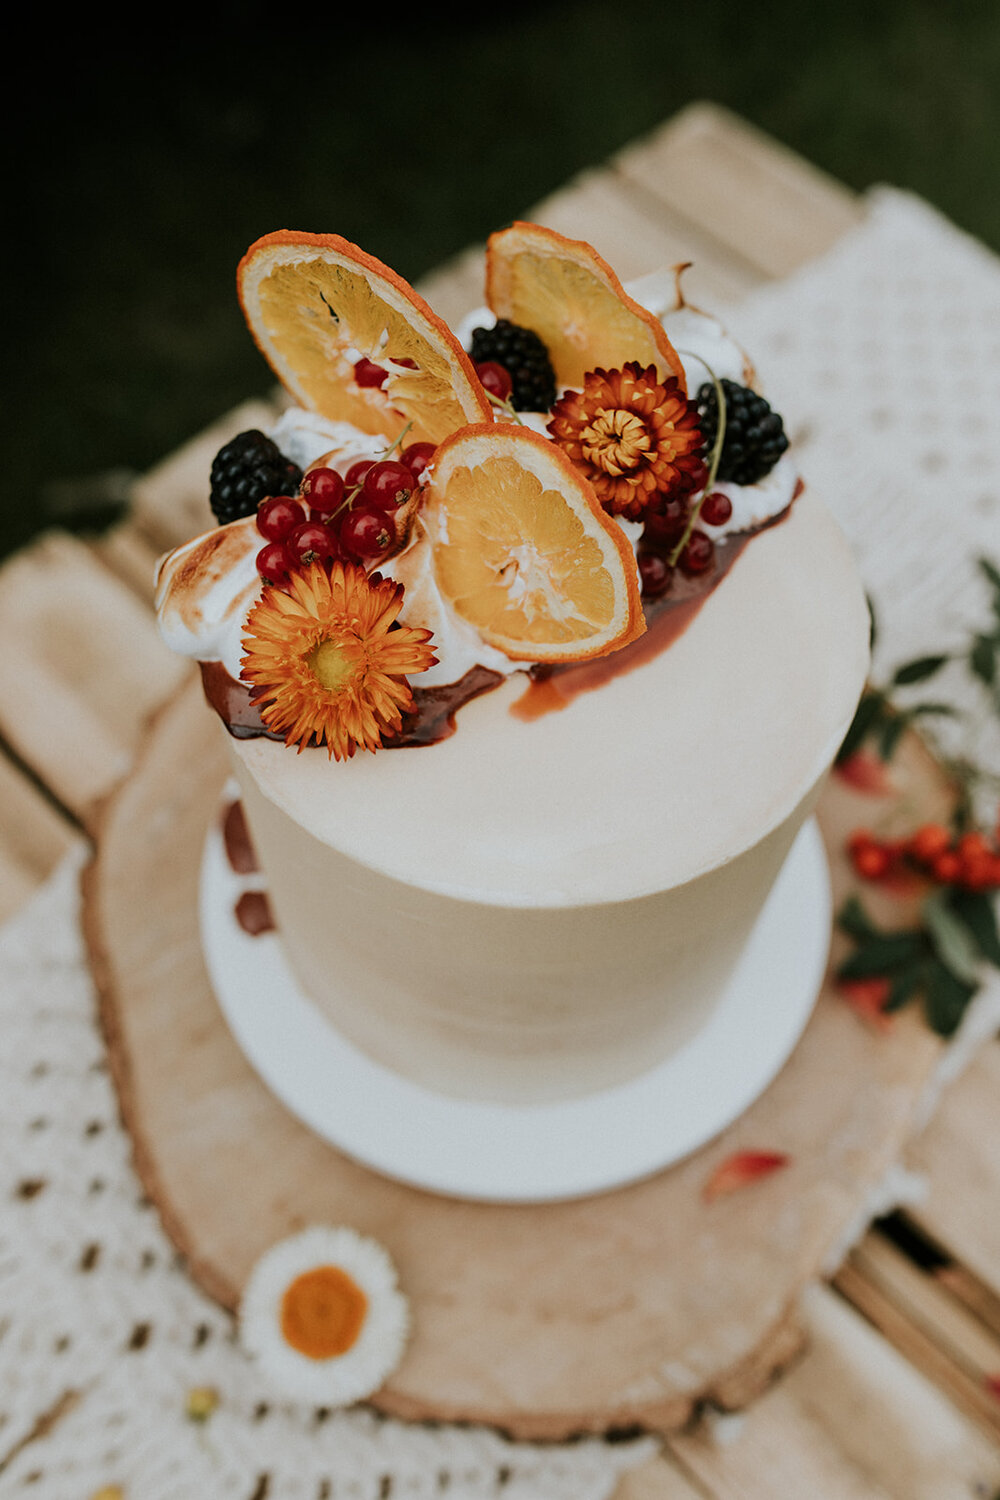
x: 141, y: 168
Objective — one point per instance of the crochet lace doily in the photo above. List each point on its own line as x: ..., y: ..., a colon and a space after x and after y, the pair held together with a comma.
x: 102, y: 1331
x: 884, y: 357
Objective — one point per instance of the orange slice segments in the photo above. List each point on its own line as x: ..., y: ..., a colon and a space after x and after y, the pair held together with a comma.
x: 523, y: 550
x: 567, y: 294
x: 315, y: 303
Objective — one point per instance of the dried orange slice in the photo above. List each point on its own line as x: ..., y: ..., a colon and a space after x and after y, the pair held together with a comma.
x: 523, y: 550
x: 315, y: 304
x: 567, y: 294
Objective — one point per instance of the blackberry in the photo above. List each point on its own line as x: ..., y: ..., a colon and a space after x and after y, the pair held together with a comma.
x: 524, y: 357
x: 755, y: 435
x: 247, y: 470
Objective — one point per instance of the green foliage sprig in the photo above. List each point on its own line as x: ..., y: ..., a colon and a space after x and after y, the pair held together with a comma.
x: 882, y: 720
x: 939, y: 959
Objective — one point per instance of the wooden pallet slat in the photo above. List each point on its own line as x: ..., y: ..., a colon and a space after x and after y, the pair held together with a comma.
x: 637, y: 237
x: 82, y: 670
x: 959, y: 1154
x: 766, y: 204
x: 170, y: 502
x: 852, y: 1420
x: 34, y: 837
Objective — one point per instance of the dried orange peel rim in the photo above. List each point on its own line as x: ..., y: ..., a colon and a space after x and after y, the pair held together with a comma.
x: 618, y: 557
x: 502, y: 249
x: 285, y: 247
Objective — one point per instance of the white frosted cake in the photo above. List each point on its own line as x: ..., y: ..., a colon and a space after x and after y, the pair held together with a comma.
x: 539, y: 883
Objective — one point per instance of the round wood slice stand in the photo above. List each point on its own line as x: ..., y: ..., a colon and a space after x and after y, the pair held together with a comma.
x: 622, y: 1309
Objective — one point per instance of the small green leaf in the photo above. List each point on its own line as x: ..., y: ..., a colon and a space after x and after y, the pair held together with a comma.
x: 892, y: 732
x: 983, y: 659
x: 976, y: 910
x: 920, y: 710
x: 854, y: 920
x: 866, y: 717
x: 991, y: 572
x: 952, y: 940
x: 904, y: 987
x: 945, y: 998
x: 884, y: 954
x: 918, y: 670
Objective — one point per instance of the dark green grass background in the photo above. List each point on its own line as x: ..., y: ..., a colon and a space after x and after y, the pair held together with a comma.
x: 140, y: 171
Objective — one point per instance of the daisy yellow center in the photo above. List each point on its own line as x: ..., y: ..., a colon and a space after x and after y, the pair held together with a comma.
x: 616, y: 441
x: 332, y: 665
x: 322, y: 1312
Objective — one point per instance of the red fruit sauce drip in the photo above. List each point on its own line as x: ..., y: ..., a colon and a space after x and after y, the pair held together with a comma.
x: 253, y: 912
x: 551, y: 687
x: 431, y: 719
x: 240, y: 851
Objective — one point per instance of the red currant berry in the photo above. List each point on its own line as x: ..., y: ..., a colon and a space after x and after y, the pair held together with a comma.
x: 357, y: 472
x: 977, y: 872
x: 324, y: 490
x: 312, y: 542
x: 664, y: 525
x: 655, y: 574
x: 973, y: 845
x: 368, y: 373
x: 366, y: 533
x: 872, y: 861
x: 274, y: 562
x: 947, y: 867
x: 716, y: 509
x: 416, y: 457
x: 278, y: 516
x: 930, y: 840
x: 495, y: 379
x: 388, y: 485
x: 698, y: 554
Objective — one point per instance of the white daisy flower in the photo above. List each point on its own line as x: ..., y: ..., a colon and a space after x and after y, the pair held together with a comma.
x: 323, y: 1316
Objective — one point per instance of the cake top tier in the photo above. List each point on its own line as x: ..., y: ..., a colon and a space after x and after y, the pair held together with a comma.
x: 443, y: 509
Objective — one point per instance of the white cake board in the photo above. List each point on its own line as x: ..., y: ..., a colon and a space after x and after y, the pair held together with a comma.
x: 524, y: 1153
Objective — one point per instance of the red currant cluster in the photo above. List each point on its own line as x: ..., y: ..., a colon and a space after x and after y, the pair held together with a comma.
x: 666, y: 521
x: 350, y: 517
x: 969, y: 860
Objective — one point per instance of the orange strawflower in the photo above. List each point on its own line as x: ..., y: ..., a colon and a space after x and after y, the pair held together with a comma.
x: 633, y: 437
x: 324, y: 663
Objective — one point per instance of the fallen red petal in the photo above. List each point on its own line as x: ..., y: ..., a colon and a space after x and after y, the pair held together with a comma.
x: 742, y: 1168
x: 868, y: 997
x: 865, y: 772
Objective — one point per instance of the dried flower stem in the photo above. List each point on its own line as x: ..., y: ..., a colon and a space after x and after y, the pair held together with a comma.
x: 716, y: 459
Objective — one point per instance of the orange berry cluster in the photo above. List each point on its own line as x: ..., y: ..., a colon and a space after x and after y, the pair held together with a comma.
x: 968, y: 860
